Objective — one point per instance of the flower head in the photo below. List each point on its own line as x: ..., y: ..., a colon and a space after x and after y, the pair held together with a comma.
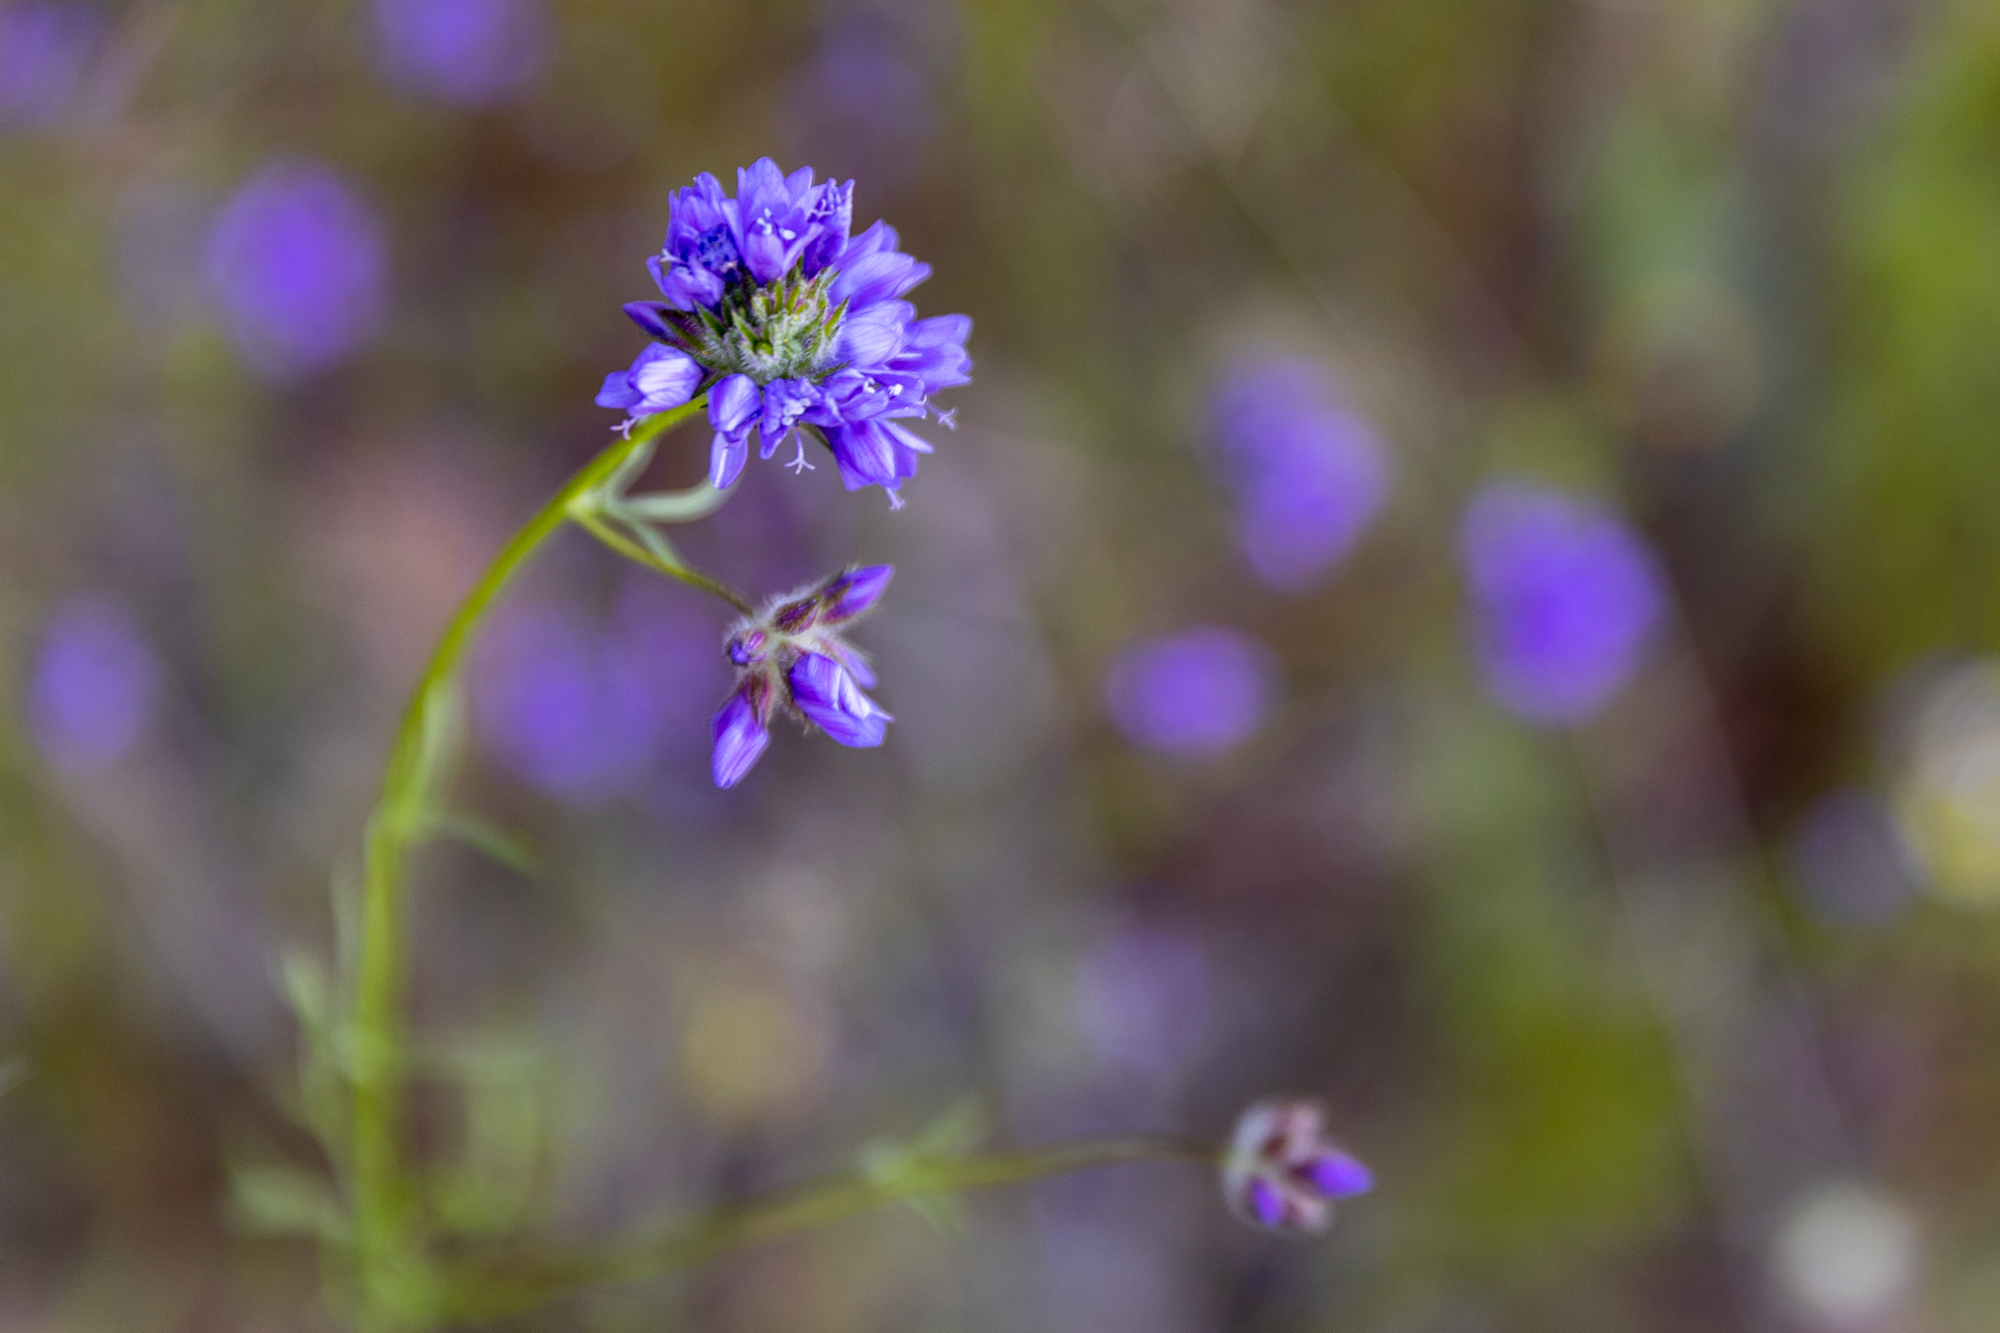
x: 300, y: 264
x: 793, y: 323
x: 790, y: 657
x: 1282, y: 1171
x: 1197, y: 693
x: 1565, y: 599
x: 1309, y: 473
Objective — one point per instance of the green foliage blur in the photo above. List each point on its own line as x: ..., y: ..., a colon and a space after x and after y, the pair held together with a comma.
x: 1685, y: 1018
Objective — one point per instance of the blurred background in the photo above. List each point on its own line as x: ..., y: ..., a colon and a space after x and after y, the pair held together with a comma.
x: 1465, y: 586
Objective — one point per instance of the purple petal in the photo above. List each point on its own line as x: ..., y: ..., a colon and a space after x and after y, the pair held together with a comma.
x: 1338, y: 1176
x: 617, y: 391
x: 649, y: 315
x: 1266, y: 1204
x: 725, y: 460
x: 740, y: 740
x: 855, y: 591
x: 733, y: 406
x: 825, y: 693
x: 665, y: 377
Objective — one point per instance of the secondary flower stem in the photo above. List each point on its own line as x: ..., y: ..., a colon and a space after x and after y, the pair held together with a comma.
x: 685, y: 1245
x: 393, y: 1275
x: 591, y: 521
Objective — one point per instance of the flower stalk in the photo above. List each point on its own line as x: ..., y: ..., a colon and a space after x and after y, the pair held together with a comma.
x: 387, y: 1226
x: 505, y: 1287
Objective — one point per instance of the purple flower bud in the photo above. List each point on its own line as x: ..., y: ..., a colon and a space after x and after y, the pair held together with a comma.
x: 661, y: 378
x: 853, y: 592
x: 650, y: 316
x: 1564, y: 600
x: 1283, y: 1173
x: 1196, y: 693
x: 741, y: 737
x: 747, y: 648
x: 826, y: 694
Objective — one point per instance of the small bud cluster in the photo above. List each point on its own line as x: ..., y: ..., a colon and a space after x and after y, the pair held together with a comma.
x: 1282, y: 1171
x: 790, y: 657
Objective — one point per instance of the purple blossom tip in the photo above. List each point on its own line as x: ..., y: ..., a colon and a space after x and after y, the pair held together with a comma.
x: 740, y: 740
x: 855, y: 592
x: 1339, y: 1176
x: 1282, y: 1172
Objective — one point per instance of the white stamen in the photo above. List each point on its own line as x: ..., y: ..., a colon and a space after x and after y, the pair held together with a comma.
x: 798, y: 465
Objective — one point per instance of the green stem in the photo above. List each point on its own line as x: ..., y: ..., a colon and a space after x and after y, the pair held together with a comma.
x: 511, y: 1289
x: 386, y: 1225
x: 592, y: 521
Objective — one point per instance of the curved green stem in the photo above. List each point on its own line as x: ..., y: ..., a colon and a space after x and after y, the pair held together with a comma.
x: 591, y: 520
x: 506, y: 1289
x: 393, y: 1275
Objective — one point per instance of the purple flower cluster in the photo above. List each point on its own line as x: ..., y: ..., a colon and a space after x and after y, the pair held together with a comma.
x: 1565, y: 598
x: 1283, y: 1172
x: 1309, y: 473
x: 791, y: 324
x: 791, y: 657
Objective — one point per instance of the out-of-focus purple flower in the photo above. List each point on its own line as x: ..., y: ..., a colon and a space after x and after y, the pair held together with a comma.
x: 1309, y: 474
x: 791, y: 657
x: 1145, y: 999
x: 1282, y: 1171
x: 574, y: 709
x: 1198, y: 692
x: 472, y: 52
x: 93, y: 685
x: 299, y: 263
x: 1564, y: 599
x: 797, y: 325
x: 44, y: 46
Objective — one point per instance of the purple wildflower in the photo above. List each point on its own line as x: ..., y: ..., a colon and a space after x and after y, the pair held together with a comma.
x: 299, y: 263
x: 472, y: 52
x: 44, y: 45
x: 1282, y: 1172
x: 795, y: 325
x: 93, y: 685
x: 1198, y: 692
x: 791, y: 657
x: 1565, y: 598
x: 1309, y: 474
